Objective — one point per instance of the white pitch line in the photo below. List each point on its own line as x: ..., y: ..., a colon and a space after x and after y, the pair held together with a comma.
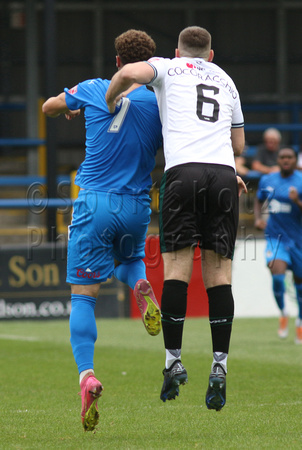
x: 15, y: 337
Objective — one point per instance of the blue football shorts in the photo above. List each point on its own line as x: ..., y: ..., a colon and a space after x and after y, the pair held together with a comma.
x: 105, y: 227
x: 287, y: 252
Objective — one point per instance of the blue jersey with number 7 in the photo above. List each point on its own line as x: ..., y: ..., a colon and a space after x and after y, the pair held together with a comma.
x: 120, y: 147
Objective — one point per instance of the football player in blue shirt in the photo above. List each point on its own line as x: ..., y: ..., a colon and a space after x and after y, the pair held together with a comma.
x: 112, y: 212
x: 283, y: 193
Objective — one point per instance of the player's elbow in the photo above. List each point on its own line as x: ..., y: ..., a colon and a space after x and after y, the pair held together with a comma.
x: 48, y: 109
x: 238, y: 140
x: 45, y: 108
x: 238, y: 146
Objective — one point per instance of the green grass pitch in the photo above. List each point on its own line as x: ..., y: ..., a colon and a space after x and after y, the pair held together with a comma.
x: 40, y: 408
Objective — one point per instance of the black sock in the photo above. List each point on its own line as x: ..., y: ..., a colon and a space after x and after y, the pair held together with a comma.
x: 221, y: 314
x: 173, y: 312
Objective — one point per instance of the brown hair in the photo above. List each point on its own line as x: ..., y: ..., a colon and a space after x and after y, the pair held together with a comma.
x: 194, y: 42
x: 133, y: 46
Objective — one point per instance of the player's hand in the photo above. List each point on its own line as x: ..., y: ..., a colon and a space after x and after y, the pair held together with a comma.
x: 72, y: 114
x: 260, y: 224
x: 241, y: 186
x: 293, y: 194
x: 112, y: 104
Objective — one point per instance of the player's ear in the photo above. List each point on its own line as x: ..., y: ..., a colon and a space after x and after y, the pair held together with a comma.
x: 118, y: 62
x: 211, y: 55
x: 176, y: 53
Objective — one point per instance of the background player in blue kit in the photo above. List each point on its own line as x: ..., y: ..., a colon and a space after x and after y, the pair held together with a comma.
x: 283, y: 230
x: 112, y: 212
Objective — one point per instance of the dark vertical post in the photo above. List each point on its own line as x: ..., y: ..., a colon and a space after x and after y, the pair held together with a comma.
x: 32, y: 87
x: 51, y: 90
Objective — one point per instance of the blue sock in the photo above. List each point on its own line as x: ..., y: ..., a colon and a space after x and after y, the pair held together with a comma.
x: 279, y: 289
x: 299, y: 299
x: 131, y: 273
x: 83, y: 331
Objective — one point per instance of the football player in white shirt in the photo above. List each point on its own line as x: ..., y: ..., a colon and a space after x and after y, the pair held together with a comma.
x: 203, y: 127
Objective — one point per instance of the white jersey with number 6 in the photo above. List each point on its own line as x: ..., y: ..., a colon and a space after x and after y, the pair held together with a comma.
x: 198, y: 104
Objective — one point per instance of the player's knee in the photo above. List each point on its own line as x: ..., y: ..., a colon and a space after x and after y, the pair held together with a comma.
x: 91, y: 290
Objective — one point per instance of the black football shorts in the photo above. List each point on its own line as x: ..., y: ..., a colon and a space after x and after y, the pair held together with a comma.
x: 199, y: 205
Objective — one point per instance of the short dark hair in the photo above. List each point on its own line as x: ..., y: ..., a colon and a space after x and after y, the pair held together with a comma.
x: 288, y: 148
x: 134, y: 45
x: 195, y: 41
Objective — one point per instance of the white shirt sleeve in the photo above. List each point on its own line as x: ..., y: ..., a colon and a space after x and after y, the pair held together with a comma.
x: 237, y: 117
x: 159, y: 67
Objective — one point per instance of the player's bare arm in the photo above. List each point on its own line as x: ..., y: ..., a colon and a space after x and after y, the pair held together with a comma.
x: 140, y: 72
x: 238, y: 140
x: 55, y: 106
x: 259, y: 223
x: 257, y: 165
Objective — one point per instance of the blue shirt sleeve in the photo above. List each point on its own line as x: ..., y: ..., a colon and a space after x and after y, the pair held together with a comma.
x: 264, y: 191
x: 80, y: 95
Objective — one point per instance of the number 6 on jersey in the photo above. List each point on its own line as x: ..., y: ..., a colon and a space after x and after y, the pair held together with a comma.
x: 207, y: 108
